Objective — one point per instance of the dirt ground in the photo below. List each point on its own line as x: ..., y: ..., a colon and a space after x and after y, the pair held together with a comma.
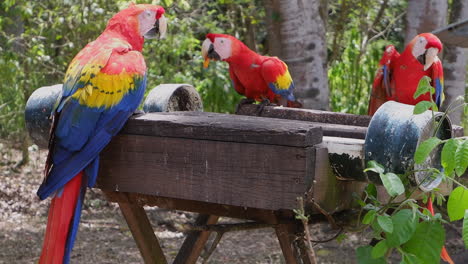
x: 105, y: 238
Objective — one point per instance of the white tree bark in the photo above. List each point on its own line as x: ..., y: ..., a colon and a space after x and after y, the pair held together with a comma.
x: 424, y: 16
x: 454, y: 62
x: 303, y: 47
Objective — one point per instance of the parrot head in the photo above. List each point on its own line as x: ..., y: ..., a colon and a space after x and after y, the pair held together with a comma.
x: 425, y: 48
x: 218, y: 47
x: 142, y: 20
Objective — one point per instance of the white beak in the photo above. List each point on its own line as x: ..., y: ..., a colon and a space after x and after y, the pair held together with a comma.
x: 162, y: 27
x: 431, y: 57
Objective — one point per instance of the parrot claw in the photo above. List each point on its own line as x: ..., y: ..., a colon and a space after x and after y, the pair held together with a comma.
x: 242, y: 102
x: 263, y: 103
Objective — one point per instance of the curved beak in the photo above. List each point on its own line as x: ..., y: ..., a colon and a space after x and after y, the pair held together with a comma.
x: 159, y: 29
x: 430, y: 57
x: 206, y: 46
x: 209, y: 53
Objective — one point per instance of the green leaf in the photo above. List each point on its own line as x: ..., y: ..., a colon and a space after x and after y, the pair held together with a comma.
x: 465, y: 229
x: 410, y: 259
x: 448, y: 156
x: 392, y: 184
x: 426, y: 242
x: 385, y: 222
x: 424, y: 86
x: 404, y: 225
x: 425, y: 148
x: 371, y: 190
x: 461, y: 158
x: 364, y: 256
x: 369, y: 217
x: 379, y: 250
x: 374, y: 166
x: 457, y: 203
x: 421, y: 107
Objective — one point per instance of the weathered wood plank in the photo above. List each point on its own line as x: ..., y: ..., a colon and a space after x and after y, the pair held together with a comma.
x: 241, y: 174
x: 332, y: 124
x: 143, y: 233
x: 223, y: 127
x: 195, y: 241
x: 306, y: 115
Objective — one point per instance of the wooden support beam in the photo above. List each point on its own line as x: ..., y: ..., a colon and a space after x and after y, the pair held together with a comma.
x: 260, y: 215
x: 286, y: 240
x: 195, y: 241
x: 143, y: 233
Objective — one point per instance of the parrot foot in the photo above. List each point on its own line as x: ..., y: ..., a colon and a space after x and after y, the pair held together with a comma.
x: 242, y: 102
x: 263, y: 103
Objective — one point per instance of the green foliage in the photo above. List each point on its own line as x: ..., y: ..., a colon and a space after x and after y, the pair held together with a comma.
x: 448, y: 156
x: 357, y: 33
x: 433, y: 235
x: 461, y: 158
x: 457, y: 203
x: 465, y: 229
x: 364, y: 256
x: 425, y: 148
x: 392, y: 183
x: 404, y: 225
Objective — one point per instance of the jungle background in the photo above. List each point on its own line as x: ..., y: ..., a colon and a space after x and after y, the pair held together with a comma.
x: 332, y: 48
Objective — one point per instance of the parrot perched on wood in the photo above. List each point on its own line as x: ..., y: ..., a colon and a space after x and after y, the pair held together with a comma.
x: 103, y: 86
x: 259, y: 78
x: 398, y: 75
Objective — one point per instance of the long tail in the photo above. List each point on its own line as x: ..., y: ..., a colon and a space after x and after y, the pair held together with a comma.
x: 443, y: 254
x: 62, y: 223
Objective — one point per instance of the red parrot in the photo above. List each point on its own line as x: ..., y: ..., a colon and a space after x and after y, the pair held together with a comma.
x: 103, y: 86
x: 259, y: 78
x: 398, y: 75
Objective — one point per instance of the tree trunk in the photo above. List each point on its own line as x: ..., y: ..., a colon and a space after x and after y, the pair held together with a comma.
x: 296, y: 34
x: 454, y: 62
x: 424, y: 16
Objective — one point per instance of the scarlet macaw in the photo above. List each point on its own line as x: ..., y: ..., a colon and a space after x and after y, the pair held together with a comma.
x: 398, y: 75
x: 259, y: 78
x: 103, y: 86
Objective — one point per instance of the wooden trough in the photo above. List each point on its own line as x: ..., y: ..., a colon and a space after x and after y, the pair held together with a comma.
x: 248, y: 167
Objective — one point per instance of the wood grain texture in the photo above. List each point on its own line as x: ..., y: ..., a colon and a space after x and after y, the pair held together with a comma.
x: 310, y: 115
x: 332, y: 124
x: 240, y: 174
x: 143, y: 233
x: 223, y: 127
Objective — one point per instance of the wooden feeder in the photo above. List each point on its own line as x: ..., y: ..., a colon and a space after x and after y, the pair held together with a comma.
x: 242, y: 166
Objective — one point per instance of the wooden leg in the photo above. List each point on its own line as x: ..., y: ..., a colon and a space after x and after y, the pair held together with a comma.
x: 290, y: 237
x: 143, y: 233
x: 195, y: 241
x: 286, y: 238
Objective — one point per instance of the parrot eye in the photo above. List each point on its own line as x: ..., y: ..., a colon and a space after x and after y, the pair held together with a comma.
x: 222, y: 41
x: 148, y: 13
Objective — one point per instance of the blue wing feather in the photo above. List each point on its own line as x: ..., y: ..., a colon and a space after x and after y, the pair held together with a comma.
x: 98, y: 136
